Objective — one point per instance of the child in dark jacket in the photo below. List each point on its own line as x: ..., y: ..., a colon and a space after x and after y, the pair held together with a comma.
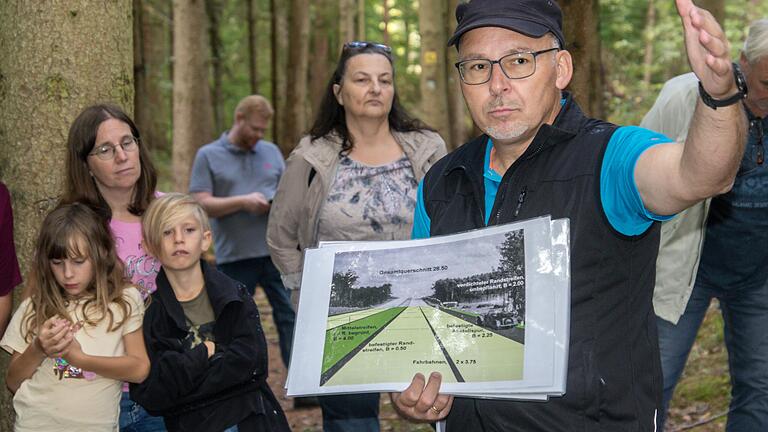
x: 202, y: 331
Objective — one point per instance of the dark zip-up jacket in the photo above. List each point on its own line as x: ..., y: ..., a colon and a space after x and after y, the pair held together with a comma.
x: 193, y: 392
x: 614, y: 374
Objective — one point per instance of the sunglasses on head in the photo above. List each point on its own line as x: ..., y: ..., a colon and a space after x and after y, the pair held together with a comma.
x: 364, y: 44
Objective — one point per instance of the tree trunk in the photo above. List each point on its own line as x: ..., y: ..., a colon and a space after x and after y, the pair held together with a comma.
x: 716, y: 8
x: 385, y: 22
x: 457, y: 110
x: 140, y: 113
x: 46, y: 78
x: 213, y: 11
x: 152, y: 49
x: 361, y: 20
x: 582, y: 37
x: 295, y: 120
x: 279, y: 68
x: 433, y: 82
x: 323, y: 68
x: 192, y: 116
x: 650, y: 25
x: 346, y: 20
x: 253, y: 68
x: 407, y: 29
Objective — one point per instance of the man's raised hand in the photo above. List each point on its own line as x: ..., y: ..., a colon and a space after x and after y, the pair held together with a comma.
x: 708, y: 50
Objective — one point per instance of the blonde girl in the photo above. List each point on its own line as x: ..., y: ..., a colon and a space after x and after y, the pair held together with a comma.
x: 79, y: 334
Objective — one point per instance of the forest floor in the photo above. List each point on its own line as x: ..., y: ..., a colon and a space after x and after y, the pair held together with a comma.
x: 699, y: 404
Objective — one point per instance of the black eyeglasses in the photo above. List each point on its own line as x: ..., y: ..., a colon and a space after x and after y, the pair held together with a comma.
x: 365, y: 44
x: 514, y: 66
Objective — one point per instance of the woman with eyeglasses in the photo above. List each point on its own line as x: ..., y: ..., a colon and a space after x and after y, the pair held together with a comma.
x: 109, y: 169
x: 354, y: 177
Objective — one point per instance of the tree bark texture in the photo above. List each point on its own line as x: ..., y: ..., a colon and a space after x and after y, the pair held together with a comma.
x: 582, y: 38
x: 346, y: 20
x: 192, y: 114
x: 385, y: 21
x: 361, y: 20
x: 213, y: 11
x: 46, y: 78
x: 253, y: 68
x: 650, y: 25
x: 457, y: 110
x: 279, y: 60
x: 433, y: 66
x: 295, y: 118
x: 152, y: 49
x: 322, y: 65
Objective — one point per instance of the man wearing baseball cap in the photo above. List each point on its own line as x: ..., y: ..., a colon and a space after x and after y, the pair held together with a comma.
x: 541, y: 155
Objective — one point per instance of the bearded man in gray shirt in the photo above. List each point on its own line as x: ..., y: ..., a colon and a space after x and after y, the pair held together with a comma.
x: 234, y: 178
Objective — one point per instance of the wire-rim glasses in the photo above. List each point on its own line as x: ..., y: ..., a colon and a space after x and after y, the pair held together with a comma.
x: 107, y: 151
x: 517, y: 65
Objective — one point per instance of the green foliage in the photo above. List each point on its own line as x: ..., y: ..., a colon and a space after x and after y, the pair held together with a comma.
x: 704, y: 388
x: 623, y: 31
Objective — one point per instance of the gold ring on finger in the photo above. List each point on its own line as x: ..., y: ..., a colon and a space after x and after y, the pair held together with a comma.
x: 435, y: 409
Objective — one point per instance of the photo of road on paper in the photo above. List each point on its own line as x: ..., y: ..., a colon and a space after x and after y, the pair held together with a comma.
x: 395, y: 311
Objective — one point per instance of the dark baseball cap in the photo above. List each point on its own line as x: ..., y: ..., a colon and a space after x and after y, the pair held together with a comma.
x: 533, y: 18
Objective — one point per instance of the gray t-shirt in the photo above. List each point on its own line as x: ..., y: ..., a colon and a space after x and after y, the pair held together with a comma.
x: 225, y: 170
x: 369, y: 202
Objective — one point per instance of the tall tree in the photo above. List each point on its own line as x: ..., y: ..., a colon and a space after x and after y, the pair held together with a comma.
x: 192, y: 114
x: 253, y: 43
x: 361, y: 20
x: 279, y: 43
x: 433, y: 66
x: 295, y: 118
x: 457, y: 110
x: 213, y: 11
x: 581, y: 18
x: 322, y: 66
x: 42, y: 88
x: 385, y: 21
x: 346, y: 20
x: 152, y: 49
x: 650, y: 27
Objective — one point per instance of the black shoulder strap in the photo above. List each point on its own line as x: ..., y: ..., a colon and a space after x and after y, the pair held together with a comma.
x: 312, y: 173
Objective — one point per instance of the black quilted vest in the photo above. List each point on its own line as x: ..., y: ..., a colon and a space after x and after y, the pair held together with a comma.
x: 614, y: 374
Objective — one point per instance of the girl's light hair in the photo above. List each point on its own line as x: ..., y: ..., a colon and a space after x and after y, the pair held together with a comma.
x: 166, y: 212
x: 756, y: 45
x: 76, y: 231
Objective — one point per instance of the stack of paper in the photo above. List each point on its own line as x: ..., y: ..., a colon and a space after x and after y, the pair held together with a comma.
x: 488, y: 309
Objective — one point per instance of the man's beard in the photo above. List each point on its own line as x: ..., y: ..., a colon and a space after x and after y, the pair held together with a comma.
x: 505, y: 130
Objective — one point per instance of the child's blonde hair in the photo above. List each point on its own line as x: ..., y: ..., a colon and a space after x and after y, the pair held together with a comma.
x: 164, y: 213
x: 64, y: 231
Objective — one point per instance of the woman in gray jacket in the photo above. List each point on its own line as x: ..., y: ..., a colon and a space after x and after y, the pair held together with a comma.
x: 354, y: 177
